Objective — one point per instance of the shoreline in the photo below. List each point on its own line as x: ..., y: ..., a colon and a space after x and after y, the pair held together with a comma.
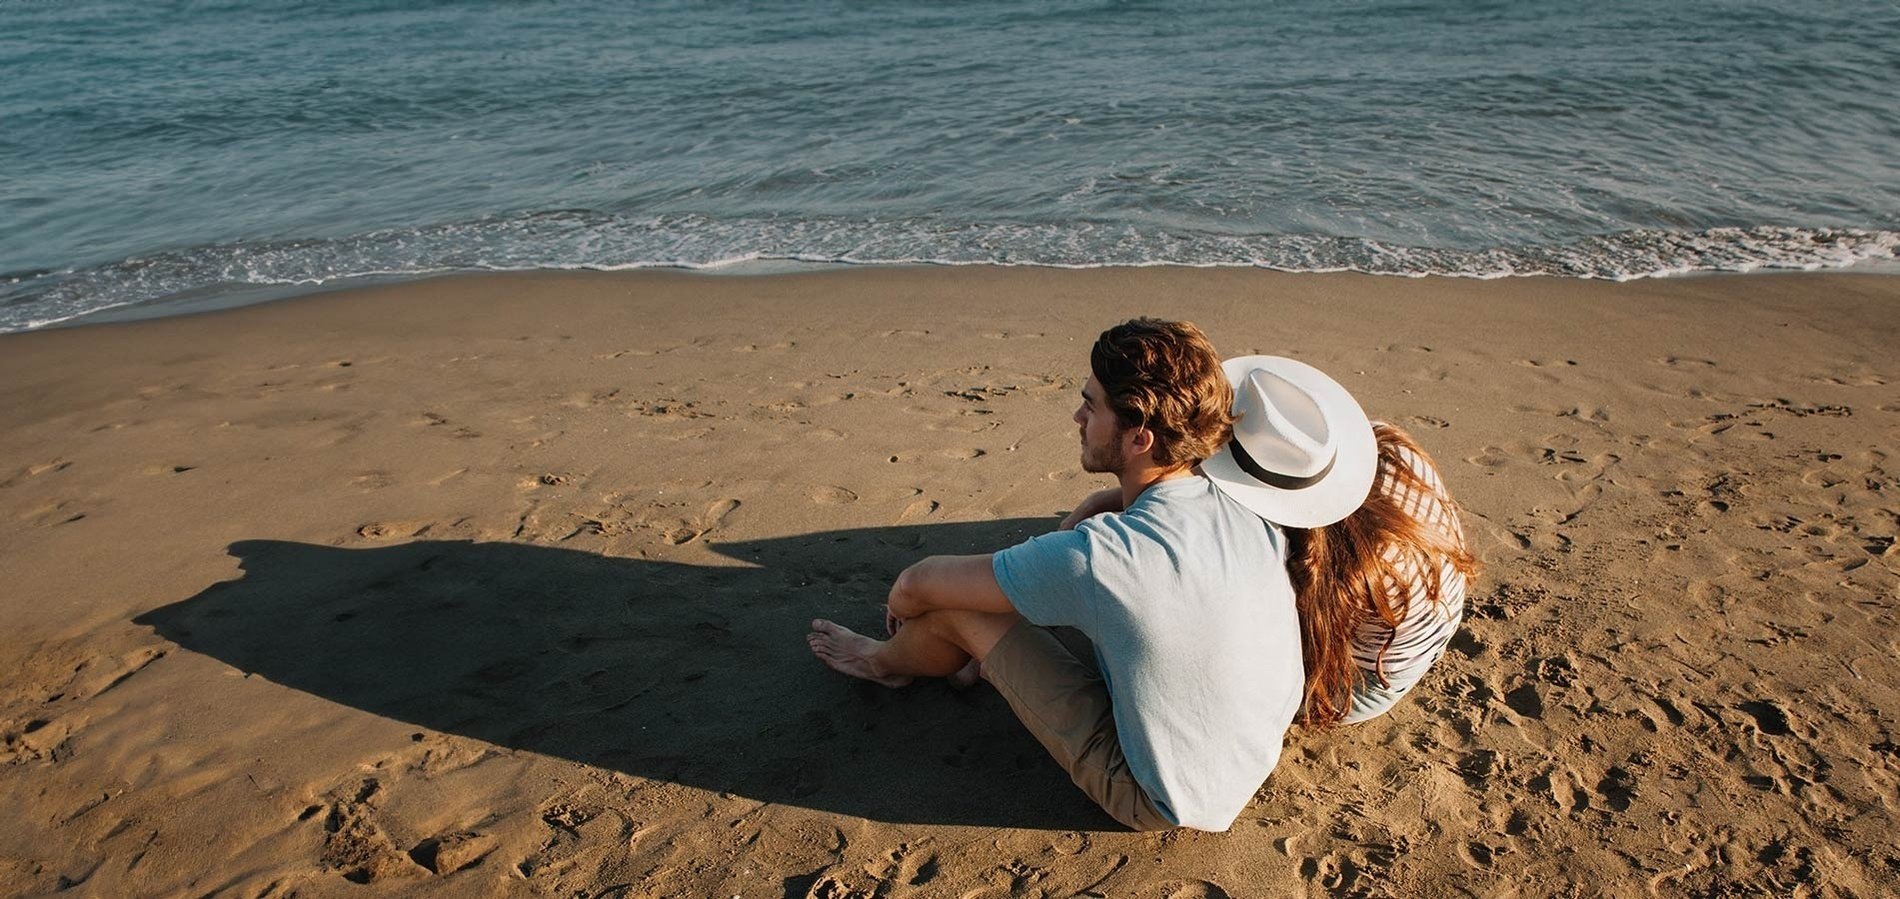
x: 496, y: 583
x: 235, y: 296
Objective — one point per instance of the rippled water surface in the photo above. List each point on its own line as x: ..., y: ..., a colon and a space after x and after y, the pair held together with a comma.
x: 149, y: 150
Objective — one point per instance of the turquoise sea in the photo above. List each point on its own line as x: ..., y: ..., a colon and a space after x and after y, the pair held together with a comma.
x: 157, y: 150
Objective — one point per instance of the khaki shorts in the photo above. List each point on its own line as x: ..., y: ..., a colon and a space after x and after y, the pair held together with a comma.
x: 1060, y: 696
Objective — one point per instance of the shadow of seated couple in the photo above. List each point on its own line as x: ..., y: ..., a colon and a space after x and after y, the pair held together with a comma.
x: 693, y: 674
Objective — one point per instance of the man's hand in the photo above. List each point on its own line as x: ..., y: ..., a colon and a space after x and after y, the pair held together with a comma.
x: 1106, y: 500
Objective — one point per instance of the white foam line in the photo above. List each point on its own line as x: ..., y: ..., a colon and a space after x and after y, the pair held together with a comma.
x: 1669, y: 254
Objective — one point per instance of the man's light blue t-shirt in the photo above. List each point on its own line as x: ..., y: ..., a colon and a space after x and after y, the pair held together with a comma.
x: 1185, y: 595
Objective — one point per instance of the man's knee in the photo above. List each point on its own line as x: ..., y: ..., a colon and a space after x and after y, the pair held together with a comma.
x: 899, y: 598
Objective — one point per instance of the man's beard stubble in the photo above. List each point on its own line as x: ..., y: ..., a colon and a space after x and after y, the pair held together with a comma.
x: 1108, y: 460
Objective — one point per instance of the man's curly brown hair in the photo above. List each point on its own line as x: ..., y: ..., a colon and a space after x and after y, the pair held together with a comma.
x: 1166, y: 377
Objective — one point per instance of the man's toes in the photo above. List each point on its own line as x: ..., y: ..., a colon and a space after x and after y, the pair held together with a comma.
x: 832, y: 629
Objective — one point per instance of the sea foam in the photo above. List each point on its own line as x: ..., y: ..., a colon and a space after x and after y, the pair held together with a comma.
x: 578, y: 240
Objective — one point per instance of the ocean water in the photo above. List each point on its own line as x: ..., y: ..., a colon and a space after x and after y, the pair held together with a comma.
x: 152, y: 151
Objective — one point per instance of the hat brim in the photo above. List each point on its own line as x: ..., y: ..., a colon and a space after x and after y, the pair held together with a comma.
x: 1337, y: 495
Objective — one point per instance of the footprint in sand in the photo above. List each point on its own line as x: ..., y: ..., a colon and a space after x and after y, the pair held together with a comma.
x: 34, y: 471
x: 909, y: 864
x: 715, y: 515
x: 1335, y: 872
x: 53, y: 514
x: 965, y: 424
x: 1070, y: 843
x: 1184, y: 889
x: 1563, y: 789
x: 670, y: 409
x: 1770, y: 719
x: 452, y: 852
x: 1525, y: 701
x: 1532, y: 536
x: 1686, y: 362
x: 1490, y: 458
x: 98, y: 674
x: 1551, y: 456
x: 1617, y: 789
x: 922, y: 508
x: 982, y: 394
x: 394, y: 530
x: 372, y: 480
x: 1476, y: 854
x: 169, y: 469
x: 37, y: 740
x: 833, y: 496
x: 355, y: 845
x: 717, y: 510
x: 1477, y: 767
x: 589, y: 398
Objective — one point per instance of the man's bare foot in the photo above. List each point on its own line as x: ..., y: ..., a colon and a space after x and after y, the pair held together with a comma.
x: 847, y: 652
x: 968, y: 675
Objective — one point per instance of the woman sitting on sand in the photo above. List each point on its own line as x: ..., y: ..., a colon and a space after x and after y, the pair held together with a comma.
x: 1381, y: 592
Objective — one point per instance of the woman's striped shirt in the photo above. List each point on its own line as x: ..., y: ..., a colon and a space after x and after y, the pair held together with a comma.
x: 1387, y: 653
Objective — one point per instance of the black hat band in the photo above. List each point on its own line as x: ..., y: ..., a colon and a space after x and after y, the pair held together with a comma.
x: 1271, y: 479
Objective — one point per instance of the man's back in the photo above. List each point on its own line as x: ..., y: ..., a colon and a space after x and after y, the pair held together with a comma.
x: 1174, y: 574
x: 1186, y: 597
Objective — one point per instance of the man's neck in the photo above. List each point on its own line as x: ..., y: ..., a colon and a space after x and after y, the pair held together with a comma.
x: 1137, y: 479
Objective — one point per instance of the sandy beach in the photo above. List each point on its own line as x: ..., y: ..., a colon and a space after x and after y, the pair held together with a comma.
x: 497, y: 585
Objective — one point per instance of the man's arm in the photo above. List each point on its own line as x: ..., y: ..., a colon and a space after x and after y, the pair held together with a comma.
x: 948, y: 582
x: 1107, y: 500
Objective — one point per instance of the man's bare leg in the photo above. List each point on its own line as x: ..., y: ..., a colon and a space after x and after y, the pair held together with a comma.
x: 936, y: 644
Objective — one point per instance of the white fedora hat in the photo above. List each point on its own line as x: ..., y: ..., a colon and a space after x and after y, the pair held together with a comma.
x: 1303, y: 454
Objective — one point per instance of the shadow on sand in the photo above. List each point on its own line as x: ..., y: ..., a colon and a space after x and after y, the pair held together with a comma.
x: 693, y: 674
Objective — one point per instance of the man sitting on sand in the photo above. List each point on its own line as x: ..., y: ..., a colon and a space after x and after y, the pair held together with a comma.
x: 1176, y: 714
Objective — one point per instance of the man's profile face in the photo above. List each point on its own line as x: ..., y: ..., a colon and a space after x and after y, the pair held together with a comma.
x: 1101, y: 433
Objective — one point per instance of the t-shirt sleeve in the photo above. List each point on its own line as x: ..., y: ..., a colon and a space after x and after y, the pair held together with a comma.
x: 1047, y: 578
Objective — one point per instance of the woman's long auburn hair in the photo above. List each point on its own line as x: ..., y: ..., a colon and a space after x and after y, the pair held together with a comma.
x: 1341, y: 572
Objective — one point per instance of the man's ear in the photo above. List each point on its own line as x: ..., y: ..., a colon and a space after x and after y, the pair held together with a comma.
x: 1140, y: 440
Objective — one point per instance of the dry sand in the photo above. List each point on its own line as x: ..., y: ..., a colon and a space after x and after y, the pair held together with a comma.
x: 498, y: 585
